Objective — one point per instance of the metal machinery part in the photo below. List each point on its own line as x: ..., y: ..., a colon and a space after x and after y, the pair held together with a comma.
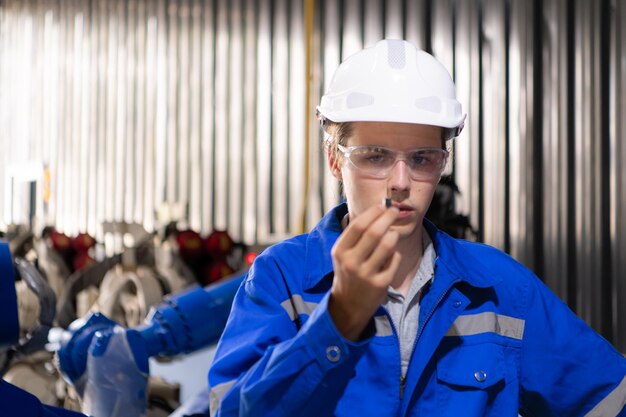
x: 53, y: 265
x: 125, y: 288
x: 126, y: 295
x: 171, y: 267
x: 16, y: 401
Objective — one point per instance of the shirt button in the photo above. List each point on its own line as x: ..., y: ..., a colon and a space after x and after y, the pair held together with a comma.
x: 333, y: 353
x: 480, y: 376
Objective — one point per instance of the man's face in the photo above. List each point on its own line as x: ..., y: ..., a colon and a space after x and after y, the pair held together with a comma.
x: 412, y: 197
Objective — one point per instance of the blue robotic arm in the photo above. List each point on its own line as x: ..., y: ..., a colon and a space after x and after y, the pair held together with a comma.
x: 109, y: 365
x: 190, y: 320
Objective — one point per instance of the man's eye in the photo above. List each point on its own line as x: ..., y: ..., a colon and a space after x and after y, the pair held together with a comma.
x: 419, y: 158
x: 375, y: 157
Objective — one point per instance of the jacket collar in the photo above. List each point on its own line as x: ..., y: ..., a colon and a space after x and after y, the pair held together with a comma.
x: 319, y: 243
x: 456, y: 257
x: 453, y: 255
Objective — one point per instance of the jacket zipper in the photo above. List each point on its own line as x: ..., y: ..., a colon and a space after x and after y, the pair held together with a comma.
x: 421, y: 329
x: 395, y: 332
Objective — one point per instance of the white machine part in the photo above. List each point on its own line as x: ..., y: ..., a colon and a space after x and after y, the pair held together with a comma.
x: 37, y: 375
x: 28, y: 307
x: 53, y: 266
x: 126, y: 295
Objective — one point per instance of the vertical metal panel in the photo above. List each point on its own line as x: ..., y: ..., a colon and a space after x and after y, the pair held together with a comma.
x: 372, y: 21
x: 147, y: 214
x: 235, y: 119
x: 352, y: 40
x: 414, y: 22
x: 494, y: 119
x: 195, y: 108
x: 394, y: 21
x: 280, y: 108
x: 618, y: 173
x: 467, y: 146
x: 523, y: 165
x: 557, y: 213
x: 161, y: 111
x: 220, y: 192
x: 208, y: 109
x: 264, y: 104
x: 442, y: 33
x: 129, y: 140
x: 182, y: 112
x: 93, y: 137
x: 588, y: 163
x: 332, y: 56
x: 297, y: 128
x: 250, y: 146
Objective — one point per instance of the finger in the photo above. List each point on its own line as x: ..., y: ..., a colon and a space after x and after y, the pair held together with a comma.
x: 382, y: 253
x: 356, y: 227
x: 372, y: 236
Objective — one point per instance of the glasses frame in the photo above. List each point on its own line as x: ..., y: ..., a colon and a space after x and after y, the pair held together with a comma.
x: 347, y: 151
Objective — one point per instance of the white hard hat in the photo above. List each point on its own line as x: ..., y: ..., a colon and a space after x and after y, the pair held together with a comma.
x: 393, y: 81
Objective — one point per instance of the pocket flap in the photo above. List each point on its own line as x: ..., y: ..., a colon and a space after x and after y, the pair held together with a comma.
x: 477, y: 366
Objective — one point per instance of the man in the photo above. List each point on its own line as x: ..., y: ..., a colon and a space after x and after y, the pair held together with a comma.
x: 377, y: 313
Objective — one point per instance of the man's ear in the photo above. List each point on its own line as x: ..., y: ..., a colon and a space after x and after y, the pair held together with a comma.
x: 333, y: 163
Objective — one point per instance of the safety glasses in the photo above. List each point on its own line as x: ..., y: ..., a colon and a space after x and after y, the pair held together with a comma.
x: 378, y: 161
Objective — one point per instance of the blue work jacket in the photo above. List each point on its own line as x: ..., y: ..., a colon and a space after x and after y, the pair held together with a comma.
x: 492, y: 341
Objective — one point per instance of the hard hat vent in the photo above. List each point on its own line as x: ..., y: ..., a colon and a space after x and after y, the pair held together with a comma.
x: 395, y: 54
x: 355, y: 100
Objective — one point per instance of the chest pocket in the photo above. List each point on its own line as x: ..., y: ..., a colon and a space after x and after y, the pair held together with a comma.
x: 471, y: 381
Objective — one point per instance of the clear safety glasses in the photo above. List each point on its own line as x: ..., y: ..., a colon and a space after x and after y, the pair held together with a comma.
x: 378, y: 161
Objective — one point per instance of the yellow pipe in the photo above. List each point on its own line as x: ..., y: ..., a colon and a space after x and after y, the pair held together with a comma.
x: 309, y: 21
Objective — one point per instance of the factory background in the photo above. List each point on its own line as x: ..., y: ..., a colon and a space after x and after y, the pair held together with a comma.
x: 121, y: 110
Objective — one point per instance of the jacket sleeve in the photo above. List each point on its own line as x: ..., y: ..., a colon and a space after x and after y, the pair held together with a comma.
x: 265, y: 367
x: 567, y: 369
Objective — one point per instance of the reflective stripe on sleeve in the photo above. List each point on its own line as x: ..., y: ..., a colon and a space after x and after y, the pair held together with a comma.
x: 302, y: 307
x: 487, y: 322
x: 217, y: 393
x: 612, y: 404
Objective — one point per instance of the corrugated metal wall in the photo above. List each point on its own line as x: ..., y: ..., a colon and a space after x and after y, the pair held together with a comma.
x: 130, y: 104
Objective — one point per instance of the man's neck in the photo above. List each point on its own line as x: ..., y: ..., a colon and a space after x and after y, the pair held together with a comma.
x: 411, y: 249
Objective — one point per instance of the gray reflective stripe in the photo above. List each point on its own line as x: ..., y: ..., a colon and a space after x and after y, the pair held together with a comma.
x: 612, y: 404
x: 302, y: 307
x: 217, y: 393
x: 488, y: 322
x: 383, y: 326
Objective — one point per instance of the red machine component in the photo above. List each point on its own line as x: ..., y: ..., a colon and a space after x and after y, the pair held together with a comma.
x: 218, y: 244
x: 215, y: 271
x: 60, y: 242
x: 83, y: 242
x: 189, y: 245
x: 250, y: 257
x: 82, y: 260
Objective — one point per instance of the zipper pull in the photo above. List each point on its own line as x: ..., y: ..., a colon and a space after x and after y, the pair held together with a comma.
x: 402, y: 384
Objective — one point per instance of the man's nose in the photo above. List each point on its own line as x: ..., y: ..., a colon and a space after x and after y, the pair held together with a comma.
x: 399, y: 177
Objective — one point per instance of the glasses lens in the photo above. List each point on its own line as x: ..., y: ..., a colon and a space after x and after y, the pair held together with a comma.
x: 372, y: 159
x: 426, y: 161
x: 378, y: 161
